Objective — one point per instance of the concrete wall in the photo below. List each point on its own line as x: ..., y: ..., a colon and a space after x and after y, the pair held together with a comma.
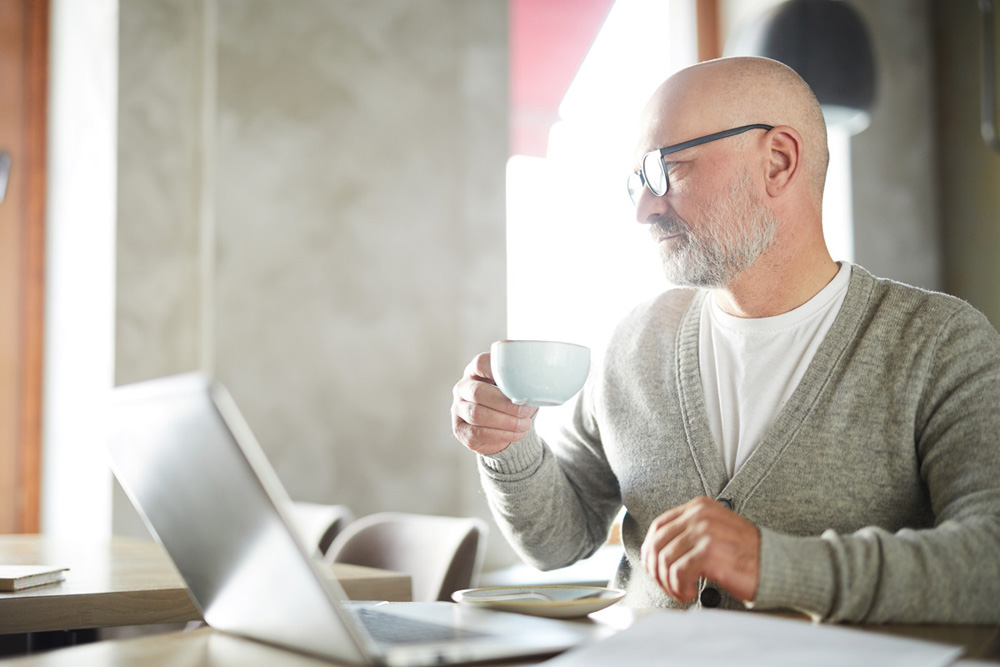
x: 311, y: 207
x: 894, y: 179
x: 967, y: 170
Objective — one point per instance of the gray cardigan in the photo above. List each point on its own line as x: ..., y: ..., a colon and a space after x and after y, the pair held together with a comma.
x: 876, y: 490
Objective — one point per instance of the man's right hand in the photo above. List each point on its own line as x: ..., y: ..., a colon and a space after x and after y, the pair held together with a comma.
x: 482, y: 418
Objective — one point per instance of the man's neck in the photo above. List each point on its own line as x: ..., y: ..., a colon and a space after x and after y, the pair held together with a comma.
x: 771, y: 288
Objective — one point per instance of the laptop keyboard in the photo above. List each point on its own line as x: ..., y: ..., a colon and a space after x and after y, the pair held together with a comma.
x: 392, y: 629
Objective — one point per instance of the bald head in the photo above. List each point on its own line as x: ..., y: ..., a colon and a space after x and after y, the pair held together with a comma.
x: 731, y: 92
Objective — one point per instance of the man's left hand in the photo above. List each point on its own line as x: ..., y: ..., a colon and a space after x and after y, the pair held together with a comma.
x: 702, y: 538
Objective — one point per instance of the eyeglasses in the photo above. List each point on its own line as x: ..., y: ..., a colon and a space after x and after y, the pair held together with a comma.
x: 653, y: 171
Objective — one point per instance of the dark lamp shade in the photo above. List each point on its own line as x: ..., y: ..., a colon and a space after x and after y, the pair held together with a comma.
x: 826, y: 42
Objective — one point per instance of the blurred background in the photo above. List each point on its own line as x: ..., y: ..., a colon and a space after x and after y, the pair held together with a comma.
x: 333, y: 205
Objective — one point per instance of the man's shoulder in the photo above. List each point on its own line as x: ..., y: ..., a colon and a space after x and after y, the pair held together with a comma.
x: 914, y: 307
x: 888, y: 293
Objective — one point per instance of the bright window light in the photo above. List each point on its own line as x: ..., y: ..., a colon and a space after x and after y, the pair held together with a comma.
x: 838, y: 218
x: 576, y: 259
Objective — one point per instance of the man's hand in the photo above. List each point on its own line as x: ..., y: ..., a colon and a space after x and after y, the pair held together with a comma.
x: 482, y: 418
x: 702, y: 538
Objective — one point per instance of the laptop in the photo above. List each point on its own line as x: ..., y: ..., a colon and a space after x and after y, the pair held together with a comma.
x: 205, y: 490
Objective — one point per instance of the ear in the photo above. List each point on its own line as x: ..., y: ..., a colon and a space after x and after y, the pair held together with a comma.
x: 785, y: 159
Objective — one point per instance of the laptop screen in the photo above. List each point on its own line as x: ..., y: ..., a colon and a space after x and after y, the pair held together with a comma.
x: 194, y: 471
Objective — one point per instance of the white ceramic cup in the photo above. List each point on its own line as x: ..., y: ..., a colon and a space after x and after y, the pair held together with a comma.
x: 539, y: 372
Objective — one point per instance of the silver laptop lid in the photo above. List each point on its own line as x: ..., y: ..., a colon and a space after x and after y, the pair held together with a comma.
x: 175, y: 446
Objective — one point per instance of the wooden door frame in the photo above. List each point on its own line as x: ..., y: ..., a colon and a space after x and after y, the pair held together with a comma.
x: 709, y: 22
x: 26, y: 193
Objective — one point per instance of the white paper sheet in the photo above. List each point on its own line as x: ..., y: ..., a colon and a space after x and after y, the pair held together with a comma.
x: 707, y: 638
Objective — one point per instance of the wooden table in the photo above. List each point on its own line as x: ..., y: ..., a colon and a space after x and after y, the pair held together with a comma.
x: 131, y: 582
x: 206, y: 647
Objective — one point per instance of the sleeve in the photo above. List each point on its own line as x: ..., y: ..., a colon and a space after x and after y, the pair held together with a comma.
x: 946, y: 574
x: 554, y: 503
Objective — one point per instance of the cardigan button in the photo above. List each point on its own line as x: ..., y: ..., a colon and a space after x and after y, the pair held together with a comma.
x: 711, y: 597
x: 727, y: 503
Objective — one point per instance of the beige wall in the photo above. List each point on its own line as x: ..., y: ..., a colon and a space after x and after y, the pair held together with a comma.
x: 311, y: 207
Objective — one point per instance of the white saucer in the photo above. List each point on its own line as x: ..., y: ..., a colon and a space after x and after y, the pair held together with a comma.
x: 564, y: 602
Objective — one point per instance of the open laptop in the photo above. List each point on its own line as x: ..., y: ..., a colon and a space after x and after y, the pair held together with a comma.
x: 194, y: 471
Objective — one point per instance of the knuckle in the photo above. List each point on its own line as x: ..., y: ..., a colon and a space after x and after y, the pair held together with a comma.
x: 478, y: 414
x: 702, y: 503
x: 476, y: 435
x: 481, y: 437
x: 702, y: 547
x: 687, y: 567
x: 701, y: 513
x: 461, y: 431
x: 477, y: 392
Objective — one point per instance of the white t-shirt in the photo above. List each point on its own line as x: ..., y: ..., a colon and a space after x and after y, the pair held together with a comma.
x: 750, y: 367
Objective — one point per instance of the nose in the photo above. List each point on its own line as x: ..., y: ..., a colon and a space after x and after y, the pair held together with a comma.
x: 650, y: 207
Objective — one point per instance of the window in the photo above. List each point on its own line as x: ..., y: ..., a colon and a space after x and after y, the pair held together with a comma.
x: 576, y: 259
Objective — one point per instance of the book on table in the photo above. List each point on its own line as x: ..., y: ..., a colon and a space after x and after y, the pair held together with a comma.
x: 17, y: 577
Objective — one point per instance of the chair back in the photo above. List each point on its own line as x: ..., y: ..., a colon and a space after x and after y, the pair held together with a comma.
x: 441, y: 554
x: 318, y: 524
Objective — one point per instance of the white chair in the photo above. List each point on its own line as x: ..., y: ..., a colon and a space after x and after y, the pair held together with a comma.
x: 441, y: 554
x: 319, y: 524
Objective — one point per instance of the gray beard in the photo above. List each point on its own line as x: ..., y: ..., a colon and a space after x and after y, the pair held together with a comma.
x: 734, y: 233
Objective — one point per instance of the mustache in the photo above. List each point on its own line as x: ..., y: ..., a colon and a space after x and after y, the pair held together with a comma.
x: 664, y: 225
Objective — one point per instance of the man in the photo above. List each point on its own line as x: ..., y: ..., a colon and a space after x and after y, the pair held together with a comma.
x: 784, y: 433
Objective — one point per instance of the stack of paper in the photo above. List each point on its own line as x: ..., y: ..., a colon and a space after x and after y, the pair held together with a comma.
x: 707, y: 638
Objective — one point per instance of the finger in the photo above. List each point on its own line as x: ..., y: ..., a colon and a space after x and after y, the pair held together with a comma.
x: 489, y: 395
x: 701, y: 509
x: 663, y: 528
x: 686, y: 571
x: 663, y: 544
x: 667, y: 546
x: 478, y: 414
x: 692, y: 541
x: 483, y: 440
x: 697, y: 504
x: 480, y: 368
x: 665, y: 518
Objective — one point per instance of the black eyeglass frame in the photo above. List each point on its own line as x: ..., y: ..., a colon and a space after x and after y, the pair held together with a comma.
x: 641, y: 173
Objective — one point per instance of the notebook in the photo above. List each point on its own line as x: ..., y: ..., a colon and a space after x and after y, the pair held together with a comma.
x: 18, y: 577
x: 197, y: 476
